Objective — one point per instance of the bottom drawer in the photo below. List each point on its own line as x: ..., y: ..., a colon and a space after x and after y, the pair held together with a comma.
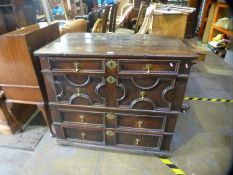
x: 147, y: 141
x: 80, y: 134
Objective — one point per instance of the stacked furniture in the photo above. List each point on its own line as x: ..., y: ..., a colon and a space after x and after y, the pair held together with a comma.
x: 20, y: 76
x: 114, y: 91
x: 218, y: 13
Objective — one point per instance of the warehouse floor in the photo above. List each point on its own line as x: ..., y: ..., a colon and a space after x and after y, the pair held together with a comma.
x: 202, y: 144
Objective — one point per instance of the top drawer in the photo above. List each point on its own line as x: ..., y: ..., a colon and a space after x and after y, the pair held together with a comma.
x: 148, y: 66
x: 77, y: 65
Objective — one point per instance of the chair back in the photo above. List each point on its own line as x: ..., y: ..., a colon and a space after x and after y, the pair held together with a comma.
x: 141, y: 16
x: 113, y: 16
x: 97, y: 28
x: 104, y: 18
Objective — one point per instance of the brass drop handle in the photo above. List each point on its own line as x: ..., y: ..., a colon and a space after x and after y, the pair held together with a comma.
x: 148, y: 68
x: 142, y: 95
x: 77, y: 67
x: 137, y: 141
x: 140, y: 123
x: 82, y: 118
x: 78, y: 91
x: 83, y: 135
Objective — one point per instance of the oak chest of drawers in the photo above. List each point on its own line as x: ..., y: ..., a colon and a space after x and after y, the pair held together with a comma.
x: 114, y: 91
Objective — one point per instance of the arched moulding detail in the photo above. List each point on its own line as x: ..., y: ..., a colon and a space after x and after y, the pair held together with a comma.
x: 78, y: 85
x: 122, y: 86
x: 165, y: 91
x: 138, y: 100
x: 61, y: 89
x: 145, y: 88
x: 86, y: 97
x: 163, y: 95
x: 98, y: 87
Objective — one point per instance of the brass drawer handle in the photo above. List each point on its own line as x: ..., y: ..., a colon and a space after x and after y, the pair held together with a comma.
x: 111, y: 79
x: 77, y: 67
x: 137, y: 141
x: 78, y: 91
x: 82, y: 118
x: 109, y: 133
x: 110, y: 116
x: 148, y: 68
x: 83, y: 135
x: 142, y: 95
x: 111, y: 64
x: 140, y: 123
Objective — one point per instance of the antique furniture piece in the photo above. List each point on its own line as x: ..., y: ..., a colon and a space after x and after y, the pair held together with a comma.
x: 20, y: 74
x: 115, y: 91
x: 169, y: 24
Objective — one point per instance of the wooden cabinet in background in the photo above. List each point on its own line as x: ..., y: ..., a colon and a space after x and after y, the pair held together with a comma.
x: 20, y: 76
x: 114, y: 91
x: 169, y: 24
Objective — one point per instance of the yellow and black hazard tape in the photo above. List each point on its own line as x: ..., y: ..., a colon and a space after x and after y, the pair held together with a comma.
x: 209, y: 99
x: 174, y: 168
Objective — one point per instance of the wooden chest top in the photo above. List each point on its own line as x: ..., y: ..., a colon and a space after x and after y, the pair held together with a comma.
x: 116, y: 45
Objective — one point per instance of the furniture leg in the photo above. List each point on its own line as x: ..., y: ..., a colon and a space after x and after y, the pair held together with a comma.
x: 9, y: 106
x: 185, y: 107
x: 41, y: 107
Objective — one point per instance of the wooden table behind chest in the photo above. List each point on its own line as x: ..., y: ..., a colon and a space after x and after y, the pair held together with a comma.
x: 114, y: 91
x: 20, y: 76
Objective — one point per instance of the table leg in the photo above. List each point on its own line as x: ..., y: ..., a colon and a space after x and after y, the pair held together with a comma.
x: 9, y: 106
x: 41, y: 107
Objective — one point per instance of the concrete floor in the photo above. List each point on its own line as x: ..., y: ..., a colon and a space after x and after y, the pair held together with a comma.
x: 202, y: 144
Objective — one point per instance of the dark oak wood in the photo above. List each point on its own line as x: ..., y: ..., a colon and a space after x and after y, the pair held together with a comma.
x: 20, y: 73
x: 114, y: 91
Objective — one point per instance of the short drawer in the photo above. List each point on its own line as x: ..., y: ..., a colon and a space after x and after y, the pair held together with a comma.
x: 138, y: 140
x: 84, y: 134
x: 148, y: 66
x: 81, y: 117
x: 144, y: 122
x: 78, y: 65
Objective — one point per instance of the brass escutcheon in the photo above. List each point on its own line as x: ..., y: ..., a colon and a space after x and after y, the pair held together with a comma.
x: 110, y: 116
x: 140, y: 123
x: 109, y: 133
x: 83, y: 135
x: 82, y: 118
x: 148, y: 68
x: 77, y: 67
x: 111, y: 79
x: 137, y: 140
x: 142, y: 95
x: 111, y: 64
